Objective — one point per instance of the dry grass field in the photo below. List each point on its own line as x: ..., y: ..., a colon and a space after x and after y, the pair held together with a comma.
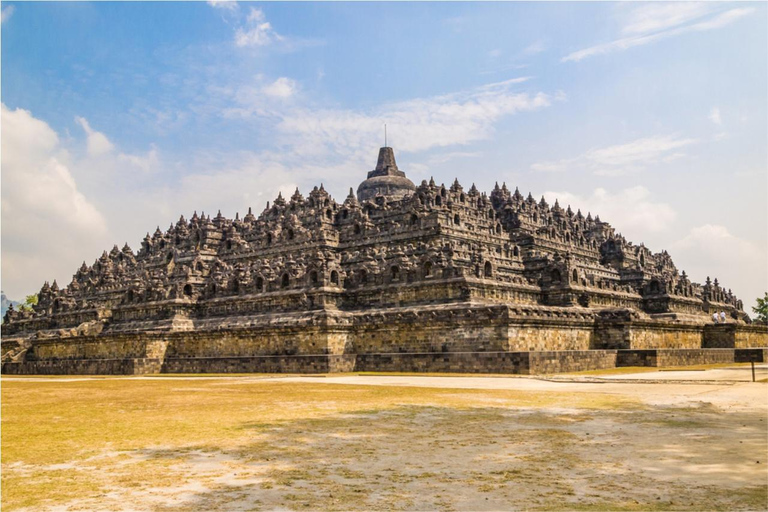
x: 256, y: 443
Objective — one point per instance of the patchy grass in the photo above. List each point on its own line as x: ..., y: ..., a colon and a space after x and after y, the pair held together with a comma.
x: 223, y: 444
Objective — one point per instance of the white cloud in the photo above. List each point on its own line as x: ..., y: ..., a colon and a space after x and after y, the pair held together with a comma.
x: 147, y: 163
x: 229, y: 5
x: 640, y: 151
x: 714, y: 116
x: 661, y: 16
x: 257, y: 30
x: 98, y: 143
x: 658, y: 26
x: 740, y: 265
x: 622, y: 159
x: 533, y: 49
x: 414, y: 125
x: 421, y: 170
x: 6, y: 13
x: 48, y: 224
x: 631, y: 211
x: 281, y: 88
x: 251, y: 182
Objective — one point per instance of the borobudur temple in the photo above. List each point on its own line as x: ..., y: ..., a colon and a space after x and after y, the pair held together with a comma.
x: 397, y: 277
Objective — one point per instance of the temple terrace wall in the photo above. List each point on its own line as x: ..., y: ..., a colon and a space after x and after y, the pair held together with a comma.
x: 466, y: 337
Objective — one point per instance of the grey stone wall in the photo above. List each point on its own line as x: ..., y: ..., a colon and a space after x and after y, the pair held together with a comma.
x: 261, y: 364
x: 134, y: 366
x: 435, y: 337
x: 674, y: 357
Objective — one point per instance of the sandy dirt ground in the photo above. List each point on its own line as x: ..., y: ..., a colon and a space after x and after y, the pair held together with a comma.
x: 683, y: 440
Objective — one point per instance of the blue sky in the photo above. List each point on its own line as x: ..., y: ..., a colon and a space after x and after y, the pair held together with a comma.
x: 118, y: 117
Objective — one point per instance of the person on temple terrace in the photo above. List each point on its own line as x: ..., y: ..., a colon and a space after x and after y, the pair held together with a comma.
x: 714, y: 316
x: 722, y: 316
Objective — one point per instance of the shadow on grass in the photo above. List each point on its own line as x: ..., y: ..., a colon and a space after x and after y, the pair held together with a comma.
x: 420, y: 457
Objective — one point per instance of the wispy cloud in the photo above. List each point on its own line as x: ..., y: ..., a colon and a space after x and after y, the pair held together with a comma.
x: 98, y: 143
x: 414, y: 125
x: 654, y: 17
x: 500, y: 62
x: 146, y: 163
x: 229, y: 5
x: 631, y: 211
x: 281, y: 88
x: 650, y: 23
x: 253, y: 30
x: 622, y: 159
x: 257, y: 31
x: 714, y: 116
x: 6, y: 13
x: 533, y: 49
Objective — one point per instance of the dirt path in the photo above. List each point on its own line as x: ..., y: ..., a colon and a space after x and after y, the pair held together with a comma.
x: 717, y: 387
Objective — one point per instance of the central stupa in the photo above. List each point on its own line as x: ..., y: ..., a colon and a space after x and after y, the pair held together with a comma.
x: 386, y: 180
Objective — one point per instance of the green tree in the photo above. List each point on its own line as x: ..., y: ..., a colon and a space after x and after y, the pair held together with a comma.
x: 29, y: 301
x: 762, y: 308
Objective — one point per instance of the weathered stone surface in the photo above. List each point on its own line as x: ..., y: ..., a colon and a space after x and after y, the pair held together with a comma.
x: 427, y: 277
x: 675, y: 357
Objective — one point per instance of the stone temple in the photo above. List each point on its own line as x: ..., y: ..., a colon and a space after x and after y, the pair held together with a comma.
x: 397, y: 277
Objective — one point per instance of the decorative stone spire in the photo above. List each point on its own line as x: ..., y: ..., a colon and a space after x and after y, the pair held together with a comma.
x: 351, y: 200
x: 386, y: 165
x: 386, y: 179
